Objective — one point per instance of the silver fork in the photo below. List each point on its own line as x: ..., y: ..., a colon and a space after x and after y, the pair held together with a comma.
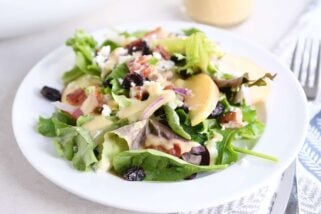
x: 306, y: 65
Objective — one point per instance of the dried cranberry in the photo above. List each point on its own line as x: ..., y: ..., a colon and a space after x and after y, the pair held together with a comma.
x: 218, y: 111
x: 51, y: 93
x: 134, y: 174
x: 138, y: 45
x: 145, y: 95
x: 134, y: 78
x: 184, y: 74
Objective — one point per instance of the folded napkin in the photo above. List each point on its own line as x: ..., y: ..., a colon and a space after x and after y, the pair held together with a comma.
x: 309, y: 161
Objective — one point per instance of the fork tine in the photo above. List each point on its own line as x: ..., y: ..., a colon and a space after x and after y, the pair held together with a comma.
x: 294, y: 56
x: 310, y: 60
x: 302, y: 61
x: 317, y: 69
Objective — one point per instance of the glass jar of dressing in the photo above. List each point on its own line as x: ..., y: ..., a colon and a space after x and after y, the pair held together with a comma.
x: 219, y: 12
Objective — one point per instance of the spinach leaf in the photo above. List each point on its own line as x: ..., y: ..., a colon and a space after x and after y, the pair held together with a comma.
x: 199, y: 133
x: 173, y: 122
x: 158, y: 166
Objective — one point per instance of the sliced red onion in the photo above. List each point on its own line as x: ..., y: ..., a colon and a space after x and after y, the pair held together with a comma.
x: 160, y: 101
x: 65, y: 107
x: 182, y: 91
x: 77, y: 113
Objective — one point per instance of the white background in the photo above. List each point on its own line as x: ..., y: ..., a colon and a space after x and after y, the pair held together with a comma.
x: 22, y: 188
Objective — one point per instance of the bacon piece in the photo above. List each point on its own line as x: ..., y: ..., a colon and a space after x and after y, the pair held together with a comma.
x: 77, y: 97
x: 228, y: 117
x: 175, y: 151
x: 164, y: 53
x: 140, y: 65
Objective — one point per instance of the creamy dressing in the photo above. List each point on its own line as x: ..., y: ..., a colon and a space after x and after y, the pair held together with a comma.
x: 219, y: 12
x: 96, y: 124
x: 135, y: 110
x: 155, y: 141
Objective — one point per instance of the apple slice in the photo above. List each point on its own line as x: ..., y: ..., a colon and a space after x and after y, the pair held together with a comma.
x: 205, y: 95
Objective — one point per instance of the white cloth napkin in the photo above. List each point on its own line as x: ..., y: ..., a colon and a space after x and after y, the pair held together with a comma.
x: 309, y: 161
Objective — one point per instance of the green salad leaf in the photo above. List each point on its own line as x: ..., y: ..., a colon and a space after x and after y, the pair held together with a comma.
x: 158, y: 166
x: 190, y: 31
x: 48, y: 126
x: 76, y: 144
x: 173, y: 122
x: 84, y: 47
x: 115, y: 141
x: 199, y: 133
x: 113, y: 45
x: 115, y: 76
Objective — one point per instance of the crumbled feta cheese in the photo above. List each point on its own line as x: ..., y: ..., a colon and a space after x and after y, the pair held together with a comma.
x: 164, y: 65
x: 106, y: 110
x: 157, y: 55
x: 125, y: 58
x: 102, y: 56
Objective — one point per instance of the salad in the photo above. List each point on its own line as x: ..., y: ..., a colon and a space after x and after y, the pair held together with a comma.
x: 155, y: 106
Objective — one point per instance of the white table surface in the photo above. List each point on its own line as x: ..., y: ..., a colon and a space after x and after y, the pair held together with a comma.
x: 22, y: 188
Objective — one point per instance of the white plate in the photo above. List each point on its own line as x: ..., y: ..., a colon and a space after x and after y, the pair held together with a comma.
x: 285, y: 130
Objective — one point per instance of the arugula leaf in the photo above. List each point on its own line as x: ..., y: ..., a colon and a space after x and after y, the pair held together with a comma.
x: 169, y: 168
x: 190, y: 31
x: 199, y: 133
x: 114, y: 78
x: 226, y: 154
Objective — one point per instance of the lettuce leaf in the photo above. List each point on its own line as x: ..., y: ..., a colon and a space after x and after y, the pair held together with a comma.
x: 75, y: 144
x: 169, y: 168
x: 48, y: 126
x: 127, y: 137
x: 84, y: 47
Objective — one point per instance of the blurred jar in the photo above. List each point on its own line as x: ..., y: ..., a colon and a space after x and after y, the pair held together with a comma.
x: 219, y: 12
